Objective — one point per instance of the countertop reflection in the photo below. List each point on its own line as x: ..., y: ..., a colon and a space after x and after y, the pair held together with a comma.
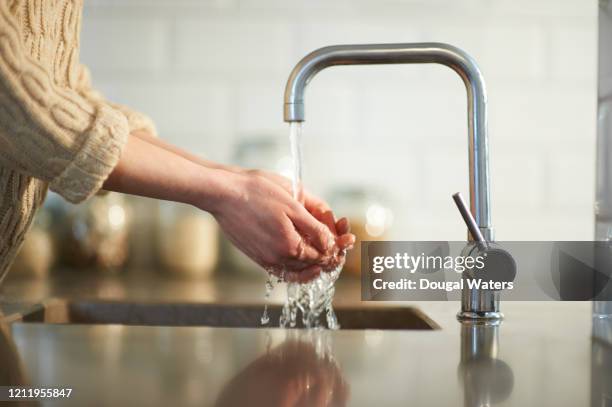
x: 541, y: 355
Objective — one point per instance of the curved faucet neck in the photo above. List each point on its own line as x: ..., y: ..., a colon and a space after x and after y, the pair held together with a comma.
x: 416, y: 53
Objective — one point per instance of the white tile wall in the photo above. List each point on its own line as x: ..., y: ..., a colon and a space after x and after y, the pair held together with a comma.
x: 233, y: 45
x: 130, y: 46
x: 212, y: 73
x: 572, y: 46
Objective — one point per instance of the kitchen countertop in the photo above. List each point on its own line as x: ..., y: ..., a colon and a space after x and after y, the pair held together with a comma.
x: 542, y: 354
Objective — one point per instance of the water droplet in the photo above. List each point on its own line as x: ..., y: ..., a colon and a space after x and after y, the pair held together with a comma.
x: 265, y: 318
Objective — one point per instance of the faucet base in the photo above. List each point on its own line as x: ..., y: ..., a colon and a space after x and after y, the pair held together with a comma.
x: 484, y: 316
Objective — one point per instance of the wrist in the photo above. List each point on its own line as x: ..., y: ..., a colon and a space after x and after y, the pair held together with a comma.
x: 217, y: 188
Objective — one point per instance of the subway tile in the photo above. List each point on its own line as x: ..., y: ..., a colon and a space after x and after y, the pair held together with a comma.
x: 394, y: 175
x: 260, y: 106
x: 444, y: 172
x: 574, y: 52
x: 415, y: 117
x: 418, y: 223
x: 513, y: 51
x: 423, y: 224
x: 212, y: 145
x: 466, y: 34
x: 148, y: 5
x: 485, y: 8
x: 115, y: 45
x: 501, y: 47
x: 571, y: 179
x: 296, y: 6
x: 542, y: 8
x: 237, y: 47
x: 332, y: 115
x: 179, y: 107
x: 368, y: 30
x: 517, y: 180
x: 551, y: 115
x: 542, y: 225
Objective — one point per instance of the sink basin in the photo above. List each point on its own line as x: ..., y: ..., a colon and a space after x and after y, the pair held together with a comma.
x: 215, y: 315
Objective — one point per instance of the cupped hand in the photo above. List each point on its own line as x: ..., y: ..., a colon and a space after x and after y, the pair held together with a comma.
x: 276, y: 231
x: 321, y: 211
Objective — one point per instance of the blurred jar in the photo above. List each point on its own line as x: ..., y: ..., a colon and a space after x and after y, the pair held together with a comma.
x: 187, y: 241
x: 264, y: 152
x: 368, y: 214
x: 37, y: 253
x: 94, y: 234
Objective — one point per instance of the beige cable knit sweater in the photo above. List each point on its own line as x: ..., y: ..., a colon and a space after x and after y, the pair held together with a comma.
x: 55, y: 131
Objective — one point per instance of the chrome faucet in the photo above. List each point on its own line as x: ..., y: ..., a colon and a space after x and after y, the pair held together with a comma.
x: 475, y: 304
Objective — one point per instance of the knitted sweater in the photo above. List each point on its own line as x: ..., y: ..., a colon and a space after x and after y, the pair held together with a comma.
x: 55, y: 131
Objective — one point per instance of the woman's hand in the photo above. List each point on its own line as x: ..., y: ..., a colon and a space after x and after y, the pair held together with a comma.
x: 267, y: 224
x: 321, y: 211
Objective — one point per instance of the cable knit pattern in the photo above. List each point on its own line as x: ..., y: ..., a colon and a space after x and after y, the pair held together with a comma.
x: 55, y: 130
x: 136, y: 120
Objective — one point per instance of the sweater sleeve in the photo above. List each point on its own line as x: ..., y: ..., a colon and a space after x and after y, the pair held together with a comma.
x: 50, y: 132
x: 136, y: 120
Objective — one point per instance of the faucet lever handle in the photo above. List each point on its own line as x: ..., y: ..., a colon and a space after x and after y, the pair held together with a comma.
x: 499, y: 264
x: 468, y: 218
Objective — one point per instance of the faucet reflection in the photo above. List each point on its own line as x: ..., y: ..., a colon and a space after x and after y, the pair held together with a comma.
x: 486, y: 379
x: 293, y: 374
x: 601, y: 364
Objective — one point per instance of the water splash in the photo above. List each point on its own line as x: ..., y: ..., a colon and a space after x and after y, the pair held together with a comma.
x: 313, y: 300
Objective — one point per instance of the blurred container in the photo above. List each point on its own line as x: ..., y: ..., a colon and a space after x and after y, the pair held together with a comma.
x: 368, y: 214
x: 187, y: 240
x: 94, y: 234
x: 264, y: 152
x: 143, y: 233
x: 37, y: 253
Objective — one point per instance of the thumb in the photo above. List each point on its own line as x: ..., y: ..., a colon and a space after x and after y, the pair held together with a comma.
x: 317, y: 233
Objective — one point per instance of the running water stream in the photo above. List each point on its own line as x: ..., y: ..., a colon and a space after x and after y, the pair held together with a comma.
x: 313, y: 300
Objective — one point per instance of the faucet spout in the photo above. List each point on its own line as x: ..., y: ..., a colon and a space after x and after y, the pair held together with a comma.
x: 418, y: 53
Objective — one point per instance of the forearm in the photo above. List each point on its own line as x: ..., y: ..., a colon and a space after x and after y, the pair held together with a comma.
x: 148, y: 170
x: 143, y: 135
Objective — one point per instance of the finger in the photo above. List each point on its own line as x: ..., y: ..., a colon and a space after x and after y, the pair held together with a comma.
x: 312, y: 202
x: 314, y: 231
x: 283, y: 182
x: 343, y: 226
x: 327, y: 218
x: 306, y: 253
x: 336, y: 262
x: 346, y: 241
x: 306, y: 256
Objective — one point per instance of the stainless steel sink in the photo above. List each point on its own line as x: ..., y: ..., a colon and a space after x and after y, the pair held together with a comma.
x: 216, y: 315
